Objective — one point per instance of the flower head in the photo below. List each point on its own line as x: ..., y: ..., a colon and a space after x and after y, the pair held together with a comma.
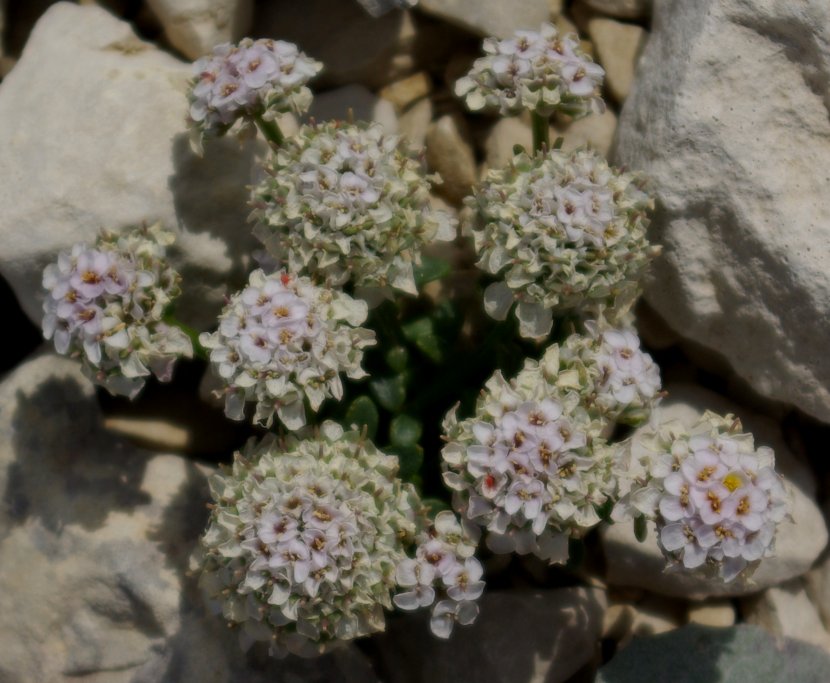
x: 564, y: 231
x: 305, y: 540
x: 281, y: 340
x: 716, y: 498
x: 536, y: 70
x: 345, y: 203
x: 105, y: 304
x: 529, y: 466
x: 254, y: 78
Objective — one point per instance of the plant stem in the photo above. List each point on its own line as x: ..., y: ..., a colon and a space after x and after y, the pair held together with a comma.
x: 541, y: 132
x: 270, y: 130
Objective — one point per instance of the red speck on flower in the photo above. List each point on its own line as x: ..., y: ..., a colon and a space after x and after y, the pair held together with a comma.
x: 489, y: 481
x: 285, y: 278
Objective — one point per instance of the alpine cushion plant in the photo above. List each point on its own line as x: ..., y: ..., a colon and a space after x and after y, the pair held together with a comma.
x: 283, y: 340
x: 348, y: 203
x: 715, y: 498
x: 106, y: 304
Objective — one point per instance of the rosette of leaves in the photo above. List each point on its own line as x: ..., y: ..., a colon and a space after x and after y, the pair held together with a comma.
x: 105, y: 305
x: 305, y: 538
x: 561, y: 232
x: 347, y: 203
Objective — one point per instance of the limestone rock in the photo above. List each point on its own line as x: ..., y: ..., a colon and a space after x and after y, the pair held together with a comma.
x: 194, y: 27
x: 364, y: 106
x: 617, y: 46
x: 450, y: 154
x: 595, y: 130
x: 490, y: 17
x: 95, y: 537
x: 624, y: 9
x: 797, y: 544
x: 503, y: 136
x: 93, y: 136
x: 718, y: 613
x: 414, y: 123
x: 519, y: 637
x: 408, y: 90
x: 729, y: 118
x: 787, y: 611
x: 353, y: 46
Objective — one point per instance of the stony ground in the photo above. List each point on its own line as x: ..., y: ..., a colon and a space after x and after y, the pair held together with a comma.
x: 723, y: 103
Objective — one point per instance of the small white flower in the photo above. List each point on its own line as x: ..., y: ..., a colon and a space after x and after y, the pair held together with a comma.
x: 348, y: 203
x: 562, y: 231
x: 715, y: 498
x: 105, y: 304
x: 538, y: 71
x: 304, y: 539
x: 282, y: 340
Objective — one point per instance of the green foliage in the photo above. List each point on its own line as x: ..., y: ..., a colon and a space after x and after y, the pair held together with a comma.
x: 405, y: 430
x: 363, y: 412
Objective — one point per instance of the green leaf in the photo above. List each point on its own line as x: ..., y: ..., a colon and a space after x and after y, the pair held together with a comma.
x: 397, y: 358
x: 363, y: 412
x: 410, y: 458
x: 703, y: 654
x: 640, y: 528
x: 434, y: 505
x: 431, y: 268
x: 421, y: 332
x: 390, y: 392
x: 405, y: 430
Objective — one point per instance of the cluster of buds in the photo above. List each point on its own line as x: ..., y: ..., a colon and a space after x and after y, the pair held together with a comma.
x: 251, y: 79
x: 105, y: 304
x: 444, y: 562
x: 619, y: 382
x: 304, y: 541
x: 347, y: 203
x: 282, y: 340
x: 716, y: 500
x: 540, y: 71
x: 529, y: 466
x: 564, y: 231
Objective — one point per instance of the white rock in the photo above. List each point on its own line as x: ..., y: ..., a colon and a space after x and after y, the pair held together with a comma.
x: 617, y: 46
x: 797, y: 544
x: 787, y: 611
x: 414, y: 123
x: 405, y: 92
x: 450, y: 154
x: 93, y: 136
x: 503, y: 136
x: 95, y: 537
x: 624, y: 9
x: 718, y: 613
x: 728, y: 116
x: 595, y: 131
x: 364, y: 106
x: 490, y: 17
x: 353, y: 46
x: 194, y: 26
x: 519, y: 637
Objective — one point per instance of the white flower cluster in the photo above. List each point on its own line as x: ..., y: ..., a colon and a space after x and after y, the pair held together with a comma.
x: 346, y: 203
x: 565, y: 231
x: 303, y: 543
x: 619, y: 382
x: 443, y: 561
x: 716, y: 499
x: 282, y: 340
x: 536, y: 70
x: 253, y: 78
x: 529, y: 466
x: 105, y: 304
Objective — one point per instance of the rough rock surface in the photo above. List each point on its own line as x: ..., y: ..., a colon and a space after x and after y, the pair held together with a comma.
x: 729, y: 117
x: 194, y: 26
x: 519, y: 637
x: 490, y: 17
x: 93, y: 136
x: 95, y: 537
x: 450, y: 154
x: 787, y: 611
x: 797, y: 544
x: 357, y: 102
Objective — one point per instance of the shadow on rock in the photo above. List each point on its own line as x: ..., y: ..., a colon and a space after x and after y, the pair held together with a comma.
x: 66, y: 470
